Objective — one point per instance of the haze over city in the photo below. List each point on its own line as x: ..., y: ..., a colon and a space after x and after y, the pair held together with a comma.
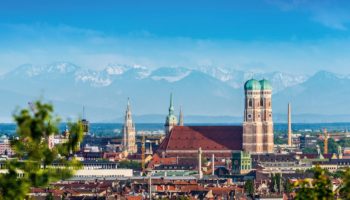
x: 299, y: 45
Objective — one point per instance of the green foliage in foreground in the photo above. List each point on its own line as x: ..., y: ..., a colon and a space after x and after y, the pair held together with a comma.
x: 32, y: 165
x: 344, y: 189
x: 321, y: 187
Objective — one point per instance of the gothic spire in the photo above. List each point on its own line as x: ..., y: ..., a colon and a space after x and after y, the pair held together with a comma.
x: 171, y: 107
x: 129, y: 131
x: 128, y: 106
x: 171, y: 119
x: 128, y: 117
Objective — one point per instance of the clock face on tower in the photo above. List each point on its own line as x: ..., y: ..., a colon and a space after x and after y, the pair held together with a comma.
x: 236, y: 162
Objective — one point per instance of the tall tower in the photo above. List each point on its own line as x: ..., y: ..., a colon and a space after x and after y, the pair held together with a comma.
x: 266, y: 109
x: 143, y: 151
x: 252, y: 125
x: 326, y: 136
x: 171, y: 119
x: 181, y: 118
x: 289, y: 125
x: 129, y: 133
x: 258, y: 124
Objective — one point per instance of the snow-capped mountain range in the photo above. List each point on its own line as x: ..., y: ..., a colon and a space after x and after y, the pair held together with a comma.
x: 210, y: 91
x: 105, y: 77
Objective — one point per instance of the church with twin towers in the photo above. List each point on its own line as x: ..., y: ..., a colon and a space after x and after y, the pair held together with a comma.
x: 255, y: 135
x: 258, y: 123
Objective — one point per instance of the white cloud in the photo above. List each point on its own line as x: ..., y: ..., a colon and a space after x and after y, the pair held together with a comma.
x: 96, y: 50
x: 331, y: 13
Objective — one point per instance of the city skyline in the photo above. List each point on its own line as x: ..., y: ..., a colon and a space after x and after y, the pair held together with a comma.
x: 159, y: 99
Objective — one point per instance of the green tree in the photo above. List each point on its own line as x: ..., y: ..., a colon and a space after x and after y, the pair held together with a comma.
x: 338, y: 174
x: 129, y: 164
x: 278, y: 181
x: 249, y: 187
x: 275, y: 183
x: 32, y: 164
x: 309, y: 150
x: 344, y: 142
x: 278, y: 140
x: 318, y: 188
x: 273, y: 186
x: 288, y: 187
x: 344, y: 189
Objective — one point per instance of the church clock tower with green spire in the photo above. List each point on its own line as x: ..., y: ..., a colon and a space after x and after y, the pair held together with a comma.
x: 171, y: 119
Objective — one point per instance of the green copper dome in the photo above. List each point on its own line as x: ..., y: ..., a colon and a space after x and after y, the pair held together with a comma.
x: 265, y: 85
x: 252, y: 84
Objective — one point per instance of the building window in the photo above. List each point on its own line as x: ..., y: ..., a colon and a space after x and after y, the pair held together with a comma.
x: 250, y: 103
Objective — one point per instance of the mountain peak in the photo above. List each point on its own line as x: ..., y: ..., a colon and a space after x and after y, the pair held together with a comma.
x: 115, y: 69
x: 62, y: 67
x: 325, y: 75
x: 170, y: 74
x: 29, y: 70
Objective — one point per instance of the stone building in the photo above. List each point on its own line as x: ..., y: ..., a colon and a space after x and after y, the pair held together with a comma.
x: 129, y: 132
x: 254, y: 137
x: 241, y: 162
x: 258, y: 123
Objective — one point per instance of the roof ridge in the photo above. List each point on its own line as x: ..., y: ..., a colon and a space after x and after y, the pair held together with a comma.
x: 169, y: 136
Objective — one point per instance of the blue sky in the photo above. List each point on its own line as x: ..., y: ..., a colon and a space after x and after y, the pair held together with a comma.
x: 298, y: 36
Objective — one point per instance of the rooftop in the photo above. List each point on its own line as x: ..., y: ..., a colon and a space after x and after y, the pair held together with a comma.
x: 209, y: 138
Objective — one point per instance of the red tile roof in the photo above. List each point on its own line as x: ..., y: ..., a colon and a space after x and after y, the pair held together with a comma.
x: 134, y: 197
x: 156, y: 160
x: 206, y: 137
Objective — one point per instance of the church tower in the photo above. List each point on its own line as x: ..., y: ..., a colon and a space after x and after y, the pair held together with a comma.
x: 252, y: 125
x: 266, y: 109
x: 129, y: 133
x: 171, y: 119
x: 258, y: 124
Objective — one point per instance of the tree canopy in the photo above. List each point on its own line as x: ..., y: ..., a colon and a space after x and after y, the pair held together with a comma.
x: 320, y: 187
x: 35, y: 161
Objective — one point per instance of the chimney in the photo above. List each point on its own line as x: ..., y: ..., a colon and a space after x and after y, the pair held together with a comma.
x: 289, y: 125
x: 200, y: 173
x: 213, y: 164
x: 326, y: 136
